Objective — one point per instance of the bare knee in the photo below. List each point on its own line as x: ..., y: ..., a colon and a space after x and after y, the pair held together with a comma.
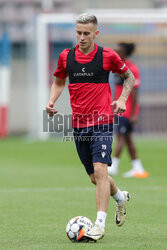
x: 92, y: 178
x: 100, y: 171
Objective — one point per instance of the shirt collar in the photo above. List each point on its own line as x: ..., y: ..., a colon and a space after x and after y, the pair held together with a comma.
x: 91, y: 53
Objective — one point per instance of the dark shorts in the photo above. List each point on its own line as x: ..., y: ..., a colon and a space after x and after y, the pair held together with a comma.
x: 124, y: 126
x: 94, y: 144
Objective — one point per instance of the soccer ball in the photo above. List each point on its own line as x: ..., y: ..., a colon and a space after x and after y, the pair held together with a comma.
x: 76, y: 228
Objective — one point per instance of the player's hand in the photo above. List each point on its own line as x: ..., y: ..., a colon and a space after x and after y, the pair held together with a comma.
x: 119, y: 105
x: 50, y: 110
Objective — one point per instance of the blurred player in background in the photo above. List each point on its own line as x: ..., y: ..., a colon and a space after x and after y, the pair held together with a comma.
x: 128, y: 118
x: 88, y: 66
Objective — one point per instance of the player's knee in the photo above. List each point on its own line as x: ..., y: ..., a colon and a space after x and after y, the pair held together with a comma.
x: 100, y: 171
x: 97, y: 174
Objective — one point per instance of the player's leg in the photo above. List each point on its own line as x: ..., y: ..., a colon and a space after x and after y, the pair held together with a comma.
x: 114, y: 190
x: 131, y: 146
x: 101, y: 150
x: 105, y: 186
x: 102, y: 186
x: 121, y: 198
x: 104, y: 189
x: 120, y: 143
x: 121, y: 130
x: 137, y: 167
x: 101, y: 157
x: 100, y: 179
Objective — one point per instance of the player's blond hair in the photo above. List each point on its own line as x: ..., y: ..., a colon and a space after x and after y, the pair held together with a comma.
x: 86, y: 18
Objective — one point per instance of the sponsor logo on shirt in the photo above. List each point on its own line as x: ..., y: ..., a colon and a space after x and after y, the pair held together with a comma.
x: 83, y: 73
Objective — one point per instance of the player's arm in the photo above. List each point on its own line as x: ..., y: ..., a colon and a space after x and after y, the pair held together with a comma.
x: 129, y: 80
x: 56, y: 90
x: 135, y: 95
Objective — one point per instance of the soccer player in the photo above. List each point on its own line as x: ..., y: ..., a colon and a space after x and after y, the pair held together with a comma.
x: 88, y: 66
x: 128, y: 118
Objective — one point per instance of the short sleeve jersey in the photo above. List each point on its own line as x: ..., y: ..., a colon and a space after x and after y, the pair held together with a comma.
x: 91, y: 99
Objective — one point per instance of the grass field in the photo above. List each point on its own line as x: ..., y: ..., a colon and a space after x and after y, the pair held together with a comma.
x: 43, y: 185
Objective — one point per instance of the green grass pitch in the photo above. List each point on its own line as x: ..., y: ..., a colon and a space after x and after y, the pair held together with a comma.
x: 43, y: 185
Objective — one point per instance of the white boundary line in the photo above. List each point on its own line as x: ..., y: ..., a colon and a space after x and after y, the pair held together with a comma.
x: 43, y: 190
x: 130, y: 15
x: 69, y: 189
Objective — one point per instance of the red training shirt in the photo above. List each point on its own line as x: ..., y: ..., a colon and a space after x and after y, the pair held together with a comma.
x: 86, y: 98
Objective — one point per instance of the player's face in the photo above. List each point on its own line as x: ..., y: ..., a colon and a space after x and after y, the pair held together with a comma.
x: 86, y: 34
x: 121, y: 52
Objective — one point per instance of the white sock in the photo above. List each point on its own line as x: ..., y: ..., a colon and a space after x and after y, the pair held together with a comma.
x: 101, y: 219
x: 137, y: 165
x: 113, y: 170
x: 115, y: 162
x: 119, y: 197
